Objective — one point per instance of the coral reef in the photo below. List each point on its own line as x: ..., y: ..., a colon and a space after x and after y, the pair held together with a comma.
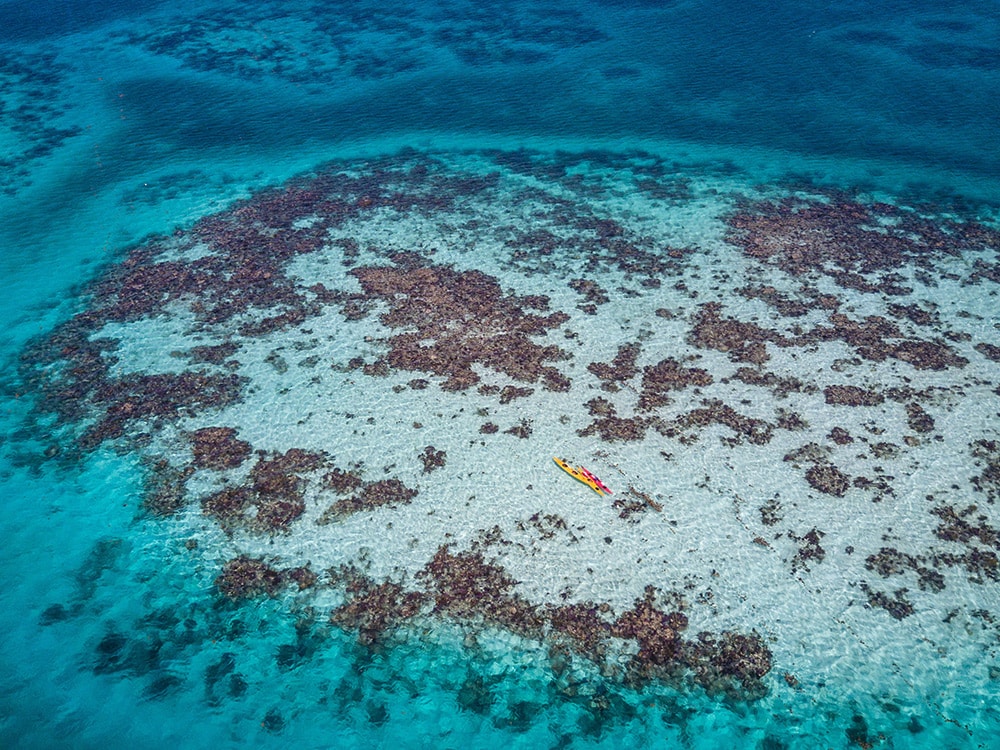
x: 385, y: 492
x: 218, y: 448
x: 467, y: 587
x: 453, y: 320
x: 371, y: 282
x: 432, y: 458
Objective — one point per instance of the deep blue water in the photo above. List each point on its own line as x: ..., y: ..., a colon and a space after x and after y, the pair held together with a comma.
x: 118, y: 120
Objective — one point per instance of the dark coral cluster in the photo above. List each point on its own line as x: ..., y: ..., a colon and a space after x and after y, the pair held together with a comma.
x: 144, y: 397
x: 852, y: 395
x: 566, y: 237
x: 897, y: 604
x: 72, y: 368
x: 966, y: 528
x: 742, y: 341
x: 889, y: 561
x: 827, y: 478
x: 860, y: 246
x: 165, y: 492
x: 592, y: 292
x: 384, y: 492
x: 665, y: 376
x: 810, y: 550
x: 248, y: 578
x: 658, y: 380
x: 454, y: 320
x: 986, y: 454
x: 684, y: 427
x: 875, y: 338
x: 465, y: 586
x: 272, y: 498
x: 432, y: 458
x: 634, y: 501
x: 218, y: 448
x: 373, y: 609
x: 715, y: 412
x: 620, y: 370
x: 611, y: 427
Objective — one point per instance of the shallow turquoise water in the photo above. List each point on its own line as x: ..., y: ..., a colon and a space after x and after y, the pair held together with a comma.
x: 123, y: 120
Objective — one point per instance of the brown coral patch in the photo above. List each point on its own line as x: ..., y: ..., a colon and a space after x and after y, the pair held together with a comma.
x: 620, y: 370
x: 374, y: 609
x: 657, y: 632
x: 275, y: 492
x: 611, y: 427
x: 918, y: 419
x: 779, y: 386
x: 840, y: 436
x: 592, y: 292
x: 744, y: 342
x: 342, y: 481
x: 278, y: 477
x: 216, y: 354
x: 787, y: 306
x: 218, y: 448
x: 876, y: 339
x: 521, y: 430
x: 790, y: 420
x: 986, y: 454
x: 634, y: 501
x: 228, y: 507
x: 896, y: 605
x: 964, y: 525
x: 828, y: 478
x: 248, y: 578
x: 891, y: 562
x: 990, y: 351
x: 857, y: 245
x: 809, y: 550
x: 738, y: 656
x: 165, y: 491
x: 304, y: 576
x: 913, y: 313
x: 583, y: 625
x: 665, y: 376
x: 167, y: 395
x: 851, y: 395
x: 385, y: 492
x: 722, y: 662
x: 453, y: 320
x: 510, y: 392
x: 714, y: 411
x: 770, y: 512
x: 276, y: 513
x: 432, y: 458
x: 465, y: 585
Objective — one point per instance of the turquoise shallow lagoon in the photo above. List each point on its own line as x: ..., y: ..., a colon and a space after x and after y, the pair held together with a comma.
x: 302, y: 298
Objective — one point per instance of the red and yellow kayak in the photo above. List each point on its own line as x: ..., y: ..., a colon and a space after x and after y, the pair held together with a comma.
x: 583, y: 475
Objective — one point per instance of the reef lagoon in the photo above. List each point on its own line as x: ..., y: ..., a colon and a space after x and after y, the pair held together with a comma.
x: 304, y: 297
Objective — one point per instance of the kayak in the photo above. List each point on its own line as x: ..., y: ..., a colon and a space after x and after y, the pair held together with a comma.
x: 583, y: 475
x: 600, y: 485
